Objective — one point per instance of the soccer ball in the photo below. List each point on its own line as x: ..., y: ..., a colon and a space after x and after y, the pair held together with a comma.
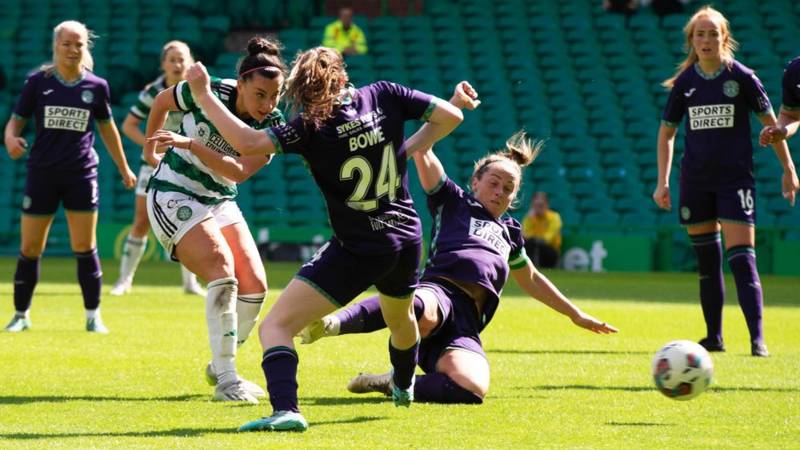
x: 682, y: 370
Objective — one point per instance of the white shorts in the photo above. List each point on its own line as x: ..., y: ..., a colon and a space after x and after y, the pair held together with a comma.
x: 145, y: 172
x: 173, y: 214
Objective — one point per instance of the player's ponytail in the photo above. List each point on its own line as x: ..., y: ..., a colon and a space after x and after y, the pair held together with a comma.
x: 263, y: 57
x: 522, y: 150
x: 729, y: 44
x: 315, y: 84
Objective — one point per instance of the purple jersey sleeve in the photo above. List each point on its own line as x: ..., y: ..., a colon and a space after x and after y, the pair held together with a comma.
x: 102, y: 109
x: 445, y: 191
x: 414, y: 104
x: 517, y: 258
x: 791, y: 86
x: 755, y: 95
x: 289, y: 137
x: 26, y: 102
x: 676, y: 104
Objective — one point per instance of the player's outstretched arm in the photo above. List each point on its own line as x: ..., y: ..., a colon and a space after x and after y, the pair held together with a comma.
x: 235, y: 169
x: 789, y: 181
x: 16, y: 145
x: 429, y: 167
x: 244, y: 139
x: 442, y: 121
x: 110, y: 136
x: 666, y: 148
x: 788, y: 122
x: 539, y: 287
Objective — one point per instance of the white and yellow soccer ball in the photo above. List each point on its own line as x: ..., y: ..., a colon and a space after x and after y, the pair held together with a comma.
x: 682, y: 370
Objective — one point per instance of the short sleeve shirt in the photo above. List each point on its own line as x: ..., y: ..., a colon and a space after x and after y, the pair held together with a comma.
x: 718, y: 147
x: 358, y: 161
x: 65, y: 114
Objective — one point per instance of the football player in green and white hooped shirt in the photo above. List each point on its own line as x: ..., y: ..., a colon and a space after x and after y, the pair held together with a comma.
x: 175, y: 58
x: 190, y: 203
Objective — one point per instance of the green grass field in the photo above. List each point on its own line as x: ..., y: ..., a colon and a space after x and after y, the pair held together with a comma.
x: 553, y: 385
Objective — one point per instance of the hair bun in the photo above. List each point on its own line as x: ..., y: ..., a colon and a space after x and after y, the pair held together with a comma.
x: 258, y: 45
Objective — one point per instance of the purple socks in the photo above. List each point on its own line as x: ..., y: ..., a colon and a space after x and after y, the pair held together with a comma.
x: 404, y: 362
x: 742, y: 260
x: 365, y: 316
x: 25, y: 279
x: 90, y: 277
x: 708, y: 249
x: 280, y: 370
x: 439, y: 388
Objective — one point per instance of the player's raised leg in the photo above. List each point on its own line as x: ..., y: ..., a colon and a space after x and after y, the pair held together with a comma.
x: 365, y: 317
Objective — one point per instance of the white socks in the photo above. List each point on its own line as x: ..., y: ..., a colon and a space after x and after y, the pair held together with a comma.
x: 248, y: 306
x: 132, y: 253
x: 221, y: 322
x: 92, y: 313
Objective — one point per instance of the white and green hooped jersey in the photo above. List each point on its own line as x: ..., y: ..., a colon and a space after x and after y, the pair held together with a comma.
x: 182, y: 171
x: 141, y: 109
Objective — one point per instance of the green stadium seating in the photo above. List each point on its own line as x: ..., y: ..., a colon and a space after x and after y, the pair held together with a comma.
x: 584, y: 80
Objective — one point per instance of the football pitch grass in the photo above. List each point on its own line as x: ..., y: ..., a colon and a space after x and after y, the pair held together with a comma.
x: 553, y: 385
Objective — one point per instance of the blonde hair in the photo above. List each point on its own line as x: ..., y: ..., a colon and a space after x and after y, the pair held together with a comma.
x: 729, y: 45
x: 181, y: 46
x: 73, y: 25
x: 520, y: 150
x: 314, y: 84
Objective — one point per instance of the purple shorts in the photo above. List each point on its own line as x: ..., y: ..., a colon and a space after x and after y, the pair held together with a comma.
x: 459, y: 328
x: 341, y: 275
x: 731, y: 204
x: 45, y: 189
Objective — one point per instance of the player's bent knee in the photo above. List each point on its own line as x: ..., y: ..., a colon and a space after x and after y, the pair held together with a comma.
x: 467, y: 369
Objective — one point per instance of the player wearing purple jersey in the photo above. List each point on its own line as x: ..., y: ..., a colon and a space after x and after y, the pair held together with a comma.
x: 789, y: 117
x: 352, y: 140
x: 192, y: 209
x: 475, y: 245
x: 66, y: 100
x: 175, y: 58
x: 717, y: 191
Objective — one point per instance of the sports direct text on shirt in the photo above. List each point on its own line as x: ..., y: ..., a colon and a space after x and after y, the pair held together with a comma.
x: 491, y: 233
x: 66, y: 118
x: 711, y: 116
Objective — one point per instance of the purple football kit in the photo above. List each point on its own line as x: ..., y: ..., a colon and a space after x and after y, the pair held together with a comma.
x: 62, y: 166
x: 716, y: 179
x: 62, y: 163
x: 717, y: 184
x: 468, y: 245
x: 357, y: 160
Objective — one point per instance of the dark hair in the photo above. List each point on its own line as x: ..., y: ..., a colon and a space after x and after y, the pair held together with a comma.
x: 264, y: 57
